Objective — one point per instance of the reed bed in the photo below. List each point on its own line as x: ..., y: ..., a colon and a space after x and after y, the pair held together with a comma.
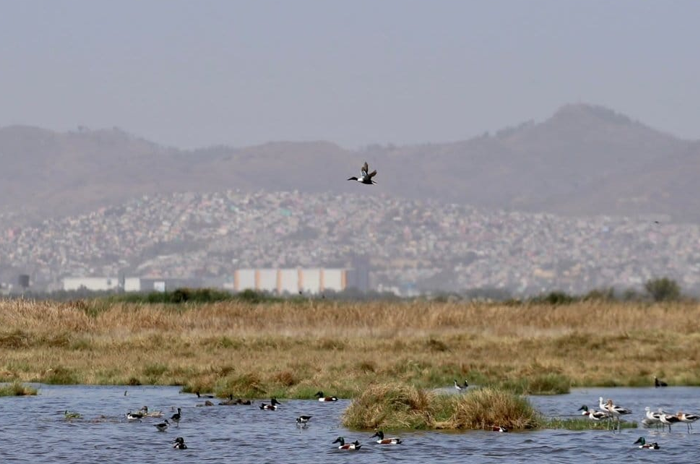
x: 392, y: 406
x: 17, y: 389
x: 482, y: 409
x: 294, y: 348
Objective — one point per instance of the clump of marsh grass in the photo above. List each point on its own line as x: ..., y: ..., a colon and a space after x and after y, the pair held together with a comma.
x: 391, y: 407
x: 549, y: 384
x: 60, y: 376
x: 245, y: 385
x: 487, y: 407
x: 17, y: 389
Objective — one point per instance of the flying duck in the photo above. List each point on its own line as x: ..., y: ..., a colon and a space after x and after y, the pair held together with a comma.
x: 386, y: 441
x: 270, y: 407
x: 163, y: 426
x: 321, y: 397
x: 350, y: 446
x: 644, y: 445
x: 366, y: 177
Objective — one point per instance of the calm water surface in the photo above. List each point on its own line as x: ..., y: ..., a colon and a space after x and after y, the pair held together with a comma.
x: 33, y: 430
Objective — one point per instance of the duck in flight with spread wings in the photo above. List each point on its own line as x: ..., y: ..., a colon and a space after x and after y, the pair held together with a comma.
x: 366, y: 177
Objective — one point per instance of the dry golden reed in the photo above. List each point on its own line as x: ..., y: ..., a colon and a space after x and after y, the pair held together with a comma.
x: 295, y: 348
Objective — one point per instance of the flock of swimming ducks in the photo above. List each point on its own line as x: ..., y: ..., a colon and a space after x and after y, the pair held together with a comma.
x: 609, y: 411
x: 301, y: 421
x: 355, y: 445
x: 612, y: 412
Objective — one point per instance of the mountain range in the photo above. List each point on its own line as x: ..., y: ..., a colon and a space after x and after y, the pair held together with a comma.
x: 583, y: 160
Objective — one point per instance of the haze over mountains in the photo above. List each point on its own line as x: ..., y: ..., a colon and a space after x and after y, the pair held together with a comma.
x: 583, y: 160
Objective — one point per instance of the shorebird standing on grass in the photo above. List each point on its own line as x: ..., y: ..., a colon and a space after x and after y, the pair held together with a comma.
x: 614, y: 410
x: 366, y: 177
x: 593, y: 414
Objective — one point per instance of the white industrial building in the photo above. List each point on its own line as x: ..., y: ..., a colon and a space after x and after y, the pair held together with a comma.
x: 282, y: 281
x: 279, y: 281
x: 98, y: 284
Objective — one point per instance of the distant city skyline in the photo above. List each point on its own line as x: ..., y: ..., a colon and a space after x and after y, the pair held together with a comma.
x: 193, y: 74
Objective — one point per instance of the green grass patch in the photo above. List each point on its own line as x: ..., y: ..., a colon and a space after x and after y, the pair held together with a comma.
x: 60, y: 376
x: 17, y: 389
x: 584, y: 424
x: 543, y: 384
x: 189, y: 295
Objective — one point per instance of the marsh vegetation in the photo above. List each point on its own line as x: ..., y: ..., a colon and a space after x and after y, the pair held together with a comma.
x: 294, y: 348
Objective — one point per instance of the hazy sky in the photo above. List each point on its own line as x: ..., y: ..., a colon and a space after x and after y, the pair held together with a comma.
x: 196, y: 73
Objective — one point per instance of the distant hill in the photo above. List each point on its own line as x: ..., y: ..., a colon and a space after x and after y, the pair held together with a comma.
x: 583, y: 160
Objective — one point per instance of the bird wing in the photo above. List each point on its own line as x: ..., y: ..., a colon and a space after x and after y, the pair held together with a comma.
x: 373, y: 173
x: 365, y: 169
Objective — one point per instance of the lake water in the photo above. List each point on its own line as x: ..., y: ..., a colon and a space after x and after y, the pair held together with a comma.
x: 34, y: 430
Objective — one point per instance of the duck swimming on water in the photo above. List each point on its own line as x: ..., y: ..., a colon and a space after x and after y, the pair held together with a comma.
x: 349, y: 446
x: 386, y: 441
x: 644, y: 445
x: 179, y: 443
x: 270, y: 407
x: 322, y: 397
